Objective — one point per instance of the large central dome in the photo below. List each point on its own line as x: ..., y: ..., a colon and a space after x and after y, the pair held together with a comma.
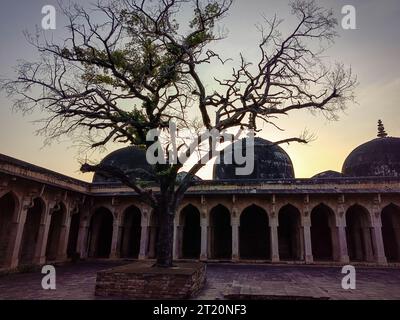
x: 270, y: 162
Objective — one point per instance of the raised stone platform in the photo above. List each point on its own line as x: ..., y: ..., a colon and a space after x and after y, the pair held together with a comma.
x: 142, y: 281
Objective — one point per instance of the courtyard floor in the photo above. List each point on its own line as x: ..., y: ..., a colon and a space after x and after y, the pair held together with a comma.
x: 77, y: 281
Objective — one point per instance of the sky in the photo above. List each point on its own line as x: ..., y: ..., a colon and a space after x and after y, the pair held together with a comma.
x: 372, y: 50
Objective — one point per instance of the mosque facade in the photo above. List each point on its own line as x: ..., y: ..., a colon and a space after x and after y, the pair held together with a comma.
x: 351, y: 216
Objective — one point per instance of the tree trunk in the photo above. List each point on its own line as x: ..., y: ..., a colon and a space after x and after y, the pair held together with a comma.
x: 166, y: 237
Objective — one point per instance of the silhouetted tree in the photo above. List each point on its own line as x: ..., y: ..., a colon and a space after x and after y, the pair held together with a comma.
x: 137, y: 69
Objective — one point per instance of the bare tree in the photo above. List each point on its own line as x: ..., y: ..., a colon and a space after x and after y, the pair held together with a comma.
x: 138, y: 69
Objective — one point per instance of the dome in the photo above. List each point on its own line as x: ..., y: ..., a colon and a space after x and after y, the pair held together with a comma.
x: 327, y: 174
x: 128, y: 159
x: 378, y: 157
x: 270, y: 162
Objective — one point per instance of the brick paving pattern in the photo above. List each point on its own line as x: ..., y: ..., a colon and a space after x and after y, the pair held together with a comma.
x: 77, y: 281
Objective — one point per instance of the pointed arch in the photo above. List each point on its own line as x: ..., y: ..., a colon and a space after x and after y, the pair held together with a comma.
x: 30, y: 234
x: 322, y: 220
x: 289, y: 235
x: 53, y: 240
x: 220, y: 233
x: 9, y: 205
x: 72, y: 248
x: 191, y: 233
x: 100, y: 233
x: 254, y: 235
x: 391, y: 232
x: 131, y: 232
x: 358, y: 233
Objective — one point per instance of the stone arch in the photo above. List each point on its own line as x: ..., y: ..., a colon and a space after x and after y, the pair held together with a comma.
x: 289, y: 233
x: 9, y: 205
x: 57, y: 217
x: 220, y: 233
x: 390, y: 217
x: 180, y: 218
x: 30, y: 234
x: 131, y: 232
x: 191, y: 232
x: 358, y: 233
x: 72, y: 247
x: 322, y: 235
x: 255, y: 203
x: 100, y: 233
x: 254, y: 233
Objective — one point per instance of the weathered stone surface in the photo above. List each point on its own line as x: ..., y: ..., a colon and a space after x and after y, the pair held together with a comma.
x: 378, y: 157
x: 142, y: 281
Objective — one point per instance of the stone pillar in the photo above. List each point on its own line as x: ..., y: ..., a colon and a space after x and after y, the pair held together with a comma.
x: 40, y: 251
x: 356, y: 236
x: 379, y: 249
x: 153, y: 241
x: 273, y: 224
x: 235, y: 223
x: 340, y: 249
x: 306, y: 227
x: 176, y: 249
x: 144, y: 240
x: 82, y: 245
x: 114, y: 253
x: 18, y: 226
x: 342, y: 244
x: 64, y: 235
x: 204, y: 238
x: 369, y: 255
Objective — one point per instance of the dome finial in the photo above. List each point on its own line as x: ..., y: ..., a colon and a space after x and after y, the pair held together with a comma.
x: 381, y: 130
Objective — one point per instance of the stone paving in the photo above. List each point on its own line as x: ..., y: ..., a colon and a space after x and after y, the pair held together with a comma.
x: 77, y: 281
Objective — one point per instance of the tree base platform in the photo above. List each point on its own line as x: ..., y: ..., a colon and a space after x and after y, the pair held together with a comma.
x: 141, y: 280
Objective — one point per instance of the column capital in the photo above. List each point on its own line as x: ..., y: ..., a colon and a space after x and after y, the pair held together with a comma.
x: 235, y: 221
x: 273, y: 221
x: 340, y: 218
x: 305, y: 220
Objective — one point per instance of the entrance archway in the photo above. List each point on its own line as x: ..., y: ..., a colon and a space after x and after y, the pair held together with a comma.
x: 191, y: 241
x: 321, y: 234
x: 53, y: 239
x: 391, y: 232
x: 8, y: 206
x: 254, y: 234
x: 289, y: 234
x: 358, y: 234
x: 31, y: 232
x: 101, y: 229
x: 220, y: 233
x: 131, y: 233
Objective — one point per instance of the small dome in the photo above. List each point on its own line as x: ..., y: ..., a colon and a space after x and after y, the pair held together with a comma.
x: 378, y: 157
x: 327, y: 174
x: 270, y: 162
x: 132, y: 160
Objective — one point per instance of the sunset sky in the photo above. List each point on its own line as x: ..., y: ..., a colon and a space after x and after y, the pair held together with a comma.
x: 372, y: 50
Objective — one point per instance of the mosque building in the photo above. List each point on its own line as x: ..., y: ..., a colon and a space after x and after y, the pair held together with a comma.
x: 269, y: 216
